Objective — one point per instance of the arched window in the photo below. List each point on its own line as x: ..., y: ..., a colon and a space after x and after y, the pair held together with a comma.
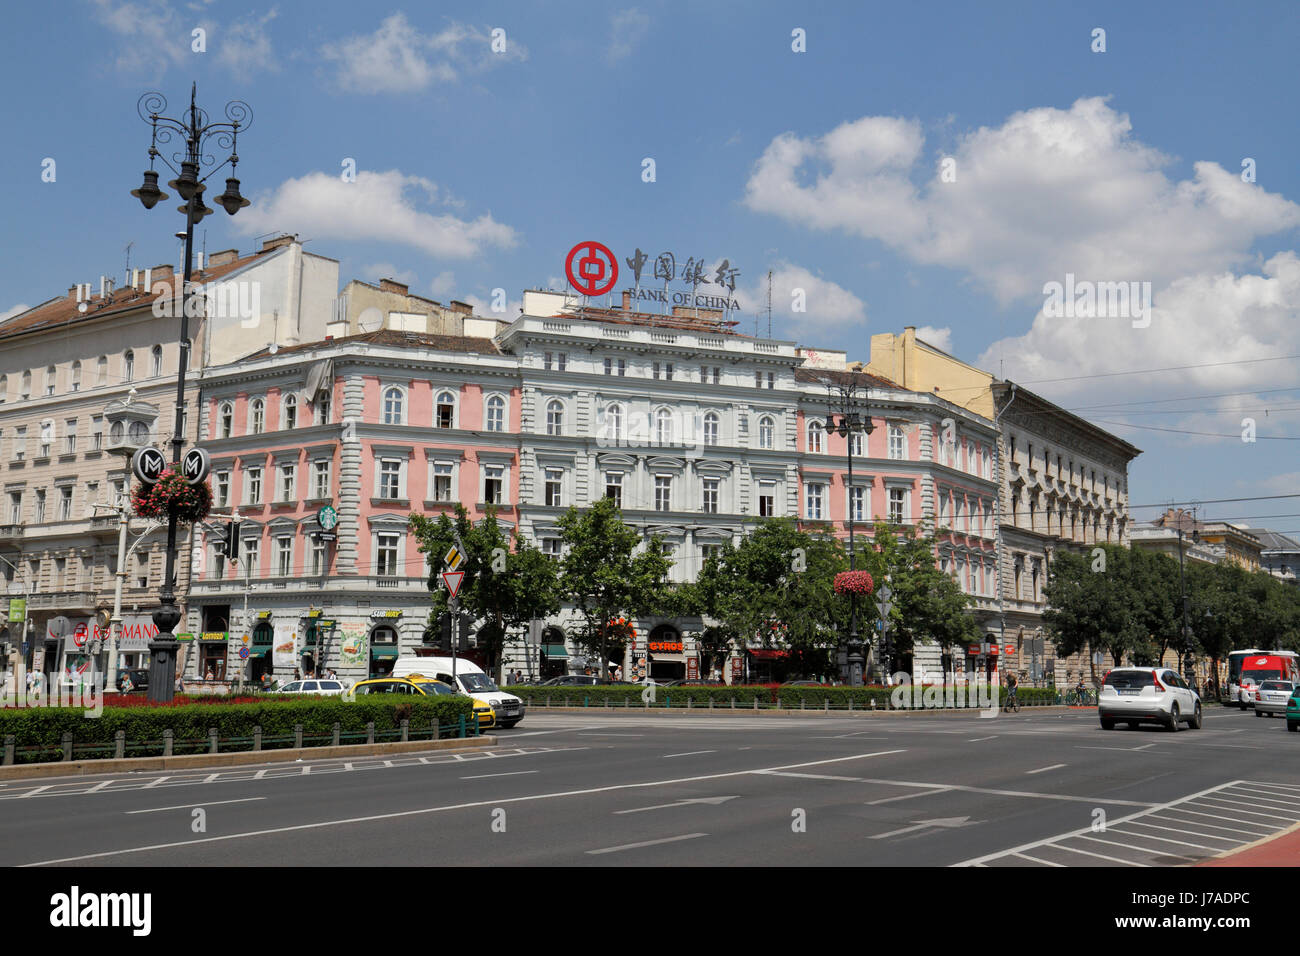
x: 444, y: 411
x: 76, y: 376
x: 290, y: 417
x: 663, y: 427
x: 393, y: 405
x: 766, y: 432
x: 555, y: 417
x: 225, y: 420
x: 157, y: 360
x: 614, y: 422
x: 27, y: 386
x: 496, y: 414
x: 814, y: 436
x: 711, y: 428
x: 101, y: 370
x: 128, y: 366
x: 4, y: 389
x: 256, y: 416
x: 51, y: 377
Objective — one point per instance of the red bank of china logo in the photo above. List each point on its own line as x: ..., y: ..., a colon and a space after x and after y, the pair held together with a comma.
x: 597, y: 269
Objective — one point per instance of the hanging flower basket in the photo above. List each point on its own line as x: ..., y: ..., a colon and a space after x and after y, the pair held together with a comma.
x: 854, y: 582
x: 620, y: 627
x: 172, y: 494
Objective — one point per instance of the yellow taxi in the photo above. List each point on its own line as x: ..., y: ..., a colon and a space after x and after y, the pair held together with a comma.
x: 419, y: 684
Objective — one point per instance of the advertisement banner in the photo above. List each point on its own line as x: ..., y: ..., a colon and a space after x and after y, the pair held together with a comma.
x: 284, y: 653
x: 352, y: 649
x: 137, y: 631
x: 17, y: 610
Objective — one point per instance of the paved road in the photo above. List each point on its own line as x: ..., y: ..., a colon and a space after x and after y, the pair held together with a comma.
x: 1029, y: 789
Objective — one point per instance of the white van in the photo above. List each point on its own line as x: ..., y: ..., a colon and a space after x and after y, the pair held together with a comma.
x: 470, y: 679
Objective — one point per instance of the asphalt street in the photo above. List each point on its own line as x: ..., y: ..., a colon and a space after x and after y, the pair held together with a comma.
x: 1027, y: 789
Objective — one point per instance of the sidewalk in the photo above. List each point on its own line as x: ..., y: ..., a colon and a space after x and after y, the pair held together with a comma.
x: 1280, y: 850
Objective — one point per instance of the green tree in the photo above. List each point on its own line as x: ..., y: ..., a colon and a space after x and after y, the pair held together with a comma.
x: 504, y: 586
x: 604, y: 575
x: 1091, y: 602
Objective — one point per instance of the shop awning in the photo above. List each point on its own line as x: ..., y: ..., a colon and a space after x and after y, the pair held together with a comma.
x: 766, y: 654
x: 555, y: 651
x: 382, y: 651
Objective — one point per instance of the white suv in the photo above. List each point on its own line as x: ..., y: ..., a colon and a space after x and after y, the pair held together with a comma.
x: 1137, y: 695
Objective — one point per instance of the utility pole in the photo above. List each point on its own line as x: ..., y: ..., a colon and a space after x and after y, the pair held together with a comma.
x: 997, y: 521
x: 123, y: 556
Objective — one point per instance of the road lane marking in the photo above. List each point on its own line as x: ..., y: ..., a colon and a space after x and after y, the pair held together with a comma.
x: 909, y: 796
x: 637, y: 846
x: 32, y: 793
x: 187, y: 806
x: 689, y: 753
x: 611, y: 735
x: 456, y: 806
x: 1218, y: 816
x: 810, y: 776
x: 99, y: 786
x: 1125, y: 846
x: 1100, y: 856
x: 1034, y: 859
x: 975, y: 740
x: 1264, y: 798
x: 1208, y: 801
x: 210, y: 777
x: 1152, y: 836
x: 154, y: 783
x: 1198, y: 823
x: 714, y: 801
x: 1196, y: 833
x: 1055, y: 766
x: 508, y: 773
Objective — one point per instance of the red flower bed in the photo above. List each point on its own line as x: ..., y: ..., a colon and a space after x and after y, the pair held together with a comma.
x: 142, y: 700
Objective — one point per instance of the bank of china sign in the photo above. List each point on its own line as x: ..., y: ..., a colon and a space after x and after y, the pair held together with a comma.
x: 593, y: 270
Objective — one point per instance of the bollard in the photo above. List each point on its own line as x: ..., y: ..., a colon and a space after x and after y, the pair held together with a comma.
x: 370, y: 731
x: 710, y: 702
x: 297, y: 736
x: 607, y: 703
x: 119, y: 744
x: 67, y: 746
x: 826, y: 708
x: 212, y: 740
x: 756, y: 702
x: 257, y: 737
x: 627, y: 702
x: 803, y: 703
x: 406, y: 729
x: 733, y: 703
x: 586, y: 699
x: 168, y: 740
x: 337, y: 731
x: 437, y: 730
x: 690, y: 701
x: 850, y: 704
x: 462, y: 725
x: 9, y: 750
x: 548, y: 700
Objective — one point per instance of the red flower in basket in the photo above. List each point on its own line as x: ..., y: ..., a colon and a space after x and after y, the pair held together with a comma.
x: 172, y: 494
x: 854, y: 582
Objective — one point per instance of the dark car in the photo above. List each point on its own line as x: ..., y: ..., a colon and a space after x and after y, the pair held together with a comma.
x: 133, y: 679
x: 803, y: 683
x: 682, y: 682
x: 570, y: 680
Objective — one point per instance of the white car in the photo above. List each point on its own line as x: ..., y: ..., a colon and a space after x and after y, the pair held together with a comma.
x: 1147, y: 695
x: 327, y: 688
x: 1271, y: 697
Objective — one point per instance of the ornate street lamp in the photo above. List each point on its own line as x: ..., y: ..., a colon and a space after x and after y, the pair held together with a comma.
x: 850, y: 423
x: 198, y: 135
x: 1189, y: 661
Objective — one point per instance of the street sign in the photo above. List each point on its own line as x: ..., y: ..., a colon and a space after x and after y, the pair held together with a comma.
x: 147, y: 464
x: 243, y: 653
x: 327, y: 518
x: 60, y: 626
x: 195, y: 465
x: 1010, y: 649
x: 453, y: 558
x: 453, y: 579
x: 17, y: 609
x: 535, y: 631
x: 80, y: 635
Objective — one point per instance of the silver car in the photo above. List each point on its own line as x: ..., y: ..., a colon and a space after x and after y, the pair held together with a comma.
x: 1271, y: 697
x: 1147, y: 695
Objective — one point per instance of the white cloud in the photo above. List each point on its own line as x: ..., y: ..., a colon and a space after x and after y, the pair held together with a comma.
x: 155, y: 36
x: 827, y: 304
x: 1050, y: 191
x: 939, y: 338
x: 627, y: 29
x: 244, y: 46
x: 443, y: 283
x: 483, y: 307
x: 14, y: 310
x: 398, y: 58
x: 378, y: 206
x: 386, y: 270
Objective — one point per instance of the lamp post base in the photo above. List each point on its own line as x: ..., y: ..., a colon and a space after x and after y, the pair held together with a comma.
x: 162, y: 654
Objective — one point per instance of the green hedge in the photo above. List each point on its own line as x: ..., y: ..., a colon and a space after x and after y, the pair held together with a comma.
x: 743, y: 694
x: 42, y: 728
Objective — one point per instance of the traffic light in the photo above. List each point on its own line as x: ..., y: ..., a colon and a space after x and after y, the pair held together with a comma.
x: 466, y: 622
x: 232, y: 541
x: 444, y: 631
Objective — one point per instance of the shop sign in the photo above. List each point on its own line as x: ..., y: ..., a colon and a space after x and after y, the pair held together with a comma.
x: 737, y: 669
x: 972, y: 649
x: 593, y: 268
x: 325, y: 624
x: 184, y: 637
x: 1009, y: 649
x: 214, y: 636
x: 137, y: 631
x: 263, y: 616
x: 17, y: 610
x: 312, y: 614
x: 692, y: 668
x: 666, y: 647
x: 385, y: 615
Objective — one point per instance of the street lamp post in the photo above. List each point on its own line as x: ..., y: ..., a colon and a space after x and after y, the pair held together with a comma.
x: 1189, y: 664
x: 198, y: 134
x: 850, y: 423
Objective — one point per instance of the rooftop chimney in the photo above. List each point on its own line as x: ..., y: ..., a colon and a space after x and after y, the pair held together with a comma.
x: 222, y: 258
x: 389, y: 285
x: 464, y: 308
x: 277, y: 242
x: 627, y: 301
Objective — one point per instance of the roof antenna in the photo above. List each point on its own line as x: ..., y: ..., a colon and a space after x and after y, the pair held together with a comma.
x: 769, y: 305
x: 128, y: 262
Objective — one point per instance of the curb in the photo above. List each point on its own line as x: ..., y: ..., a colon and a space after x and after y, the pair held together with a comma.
x: 81, y: 768
x: 1229, y: 858
x: 536, y: 709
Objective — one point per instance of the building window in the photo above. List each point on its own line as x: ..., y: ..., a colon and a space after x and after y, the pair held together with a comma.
x: 40, y: 505
x: 101, y: 370
x: 445, y: 412
x: 758, y: 379
x: 897, y: 442
x: 20, y: 443
x: 555, y: 417
x: 493, y: 484
x: 156, y: 352
x: 771, y: 380
x: 552, y: 548
x: 663, y: 427
x: 858, y: 445
x: 257, y: 416
x: 321, y: 408
x: 815, y: 493
x: 555, y: 361
x: 254, y: 489
x: 288, y: 483
x: 717, y: 375
x: 51, y: 376
x: 393, y: 406
x: 320, y: 479
x: 614, y: 422
x: 225, y: 420
x: 15, y: 507
x: 70, y: 437
x: 857, y: 504
x: 766, y: 432
x: 709, y: 501
x: 390, y: 478
x: 663, y: 492
x: 76, y: 380
x: 496, y: 414
x: 290, y: 412
x: 284, y: 555
x: 317, y: 556
x: 26, y: 391
x: 65, y: 503
x: 386, y: 555
x: 47, y: 438
x: 897, y: 503
x: 614, y: 487
x: 442, y: 481
x: 128, y: 366
x: 554, y: 480
x: 615, y: 366
x: 250, y: 549
x: 767, y: 499
x: 666, y: 369
x: 711, y: 428
x: 814, y: 437
x: 218, y: 559
x: 221, y: 483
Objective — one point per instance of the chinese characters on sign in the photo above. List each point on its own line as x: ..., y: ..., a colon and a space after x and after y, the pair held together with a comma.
x: 593, y: 270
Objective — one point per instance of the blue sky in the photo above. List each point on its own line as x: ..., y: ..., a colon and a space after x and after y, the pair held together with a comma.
x: 479, y: 169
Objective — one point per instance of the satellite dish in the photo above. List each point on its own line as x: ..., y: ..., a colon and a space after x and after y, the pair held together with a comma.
x: 370, y: 320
